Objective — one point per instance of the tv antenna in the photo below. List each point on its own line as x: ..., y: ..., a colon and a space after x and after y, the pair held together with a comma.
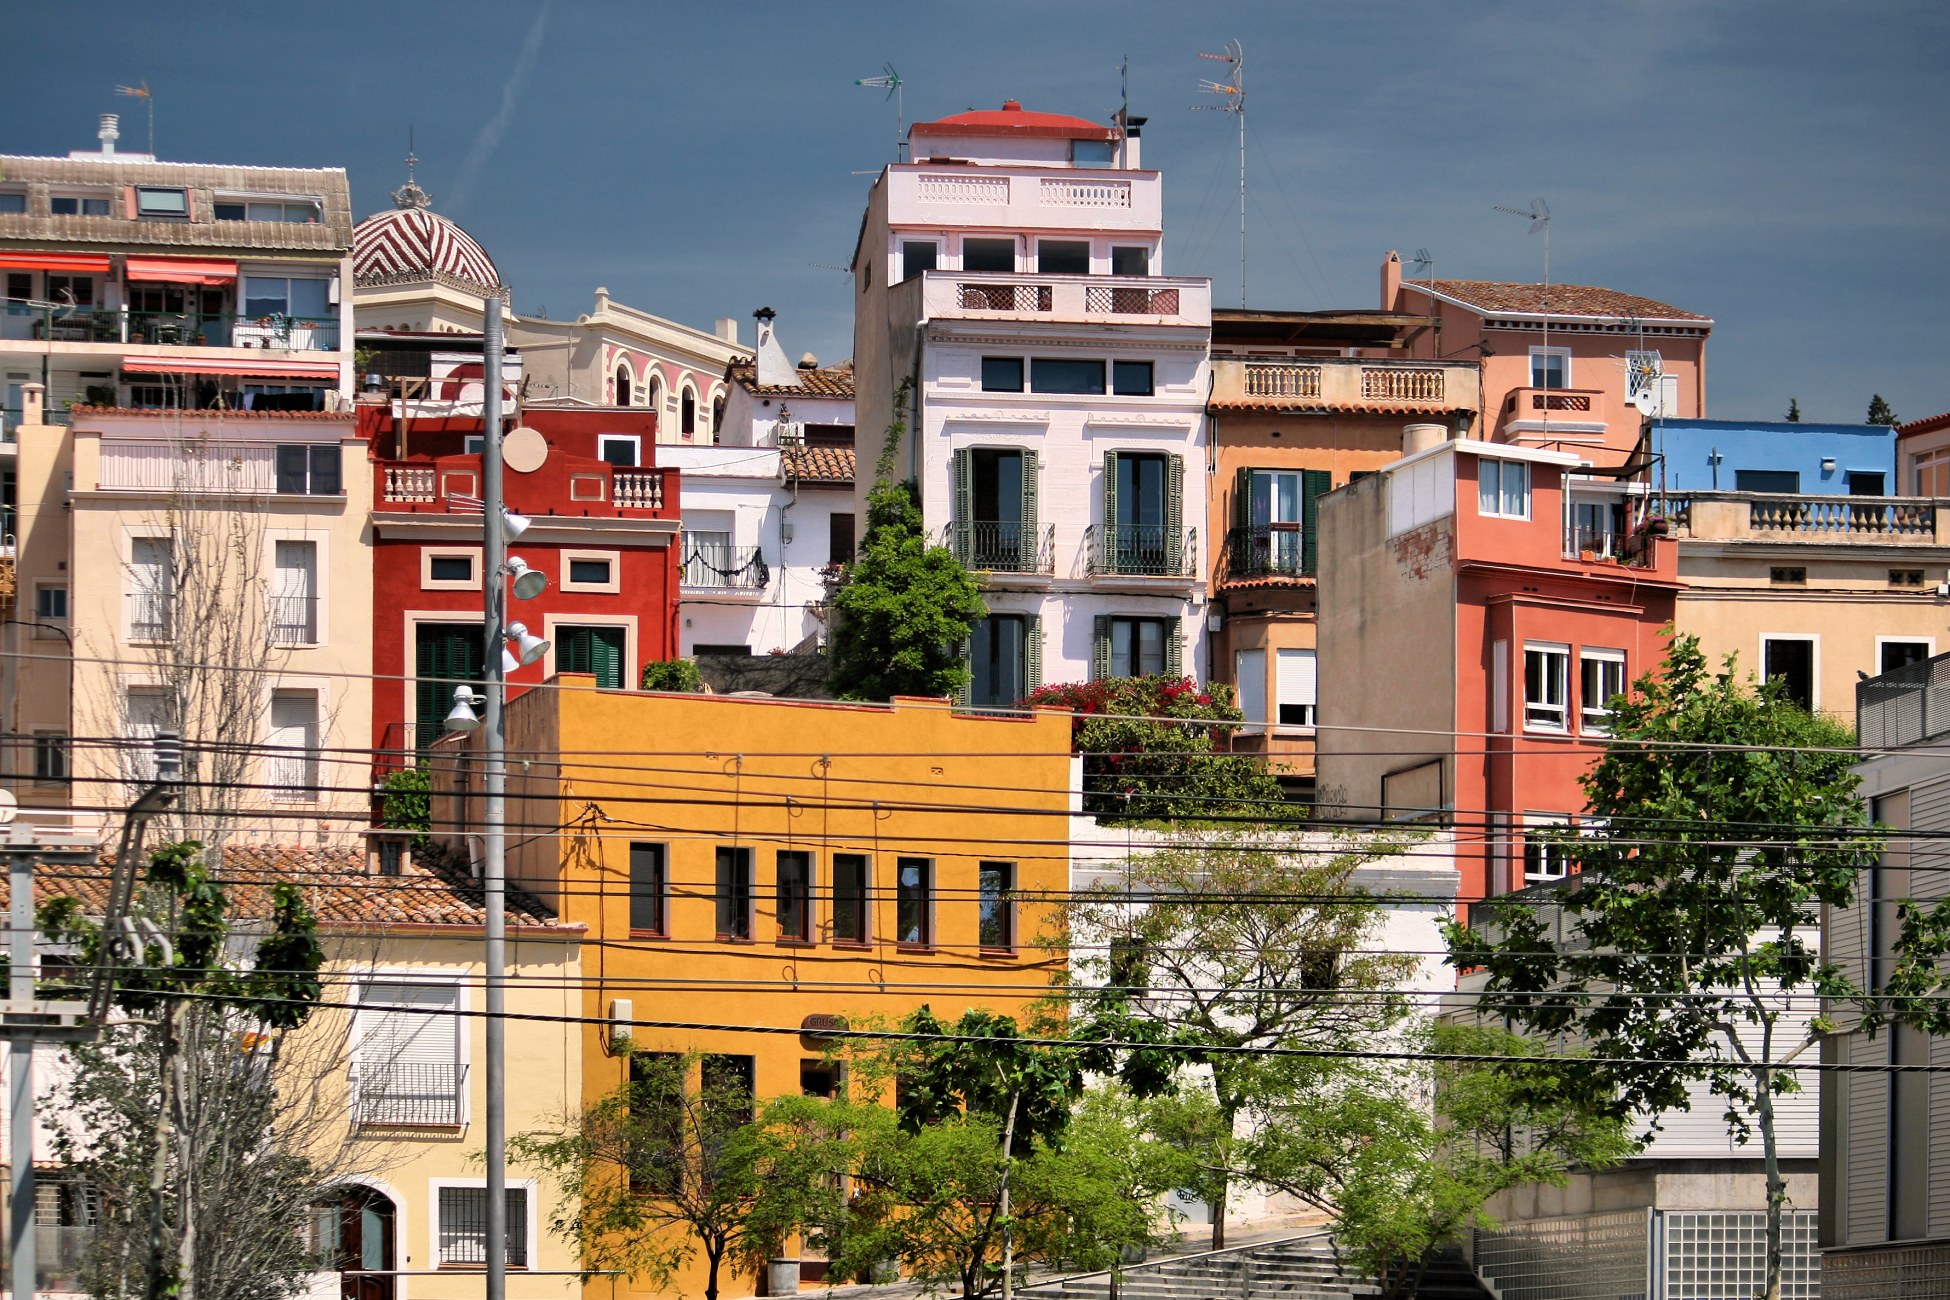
x: 1425, y: 259
x: 1539, y: 218
x: 1233, y: 89
x: 890, y: 81
x: 141, y: 92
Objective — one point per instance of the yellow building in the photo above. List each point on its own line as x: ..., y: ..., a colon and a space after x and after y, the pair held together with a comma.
x: 760, y: 862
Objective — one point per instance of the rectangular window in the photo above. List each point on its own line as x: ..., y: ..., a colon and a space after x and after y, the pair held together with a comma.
x: 1002, y: 374
x: 294, y: 592
x: 593, y: 572
x: 154, y: 201
x: 795, y: 895
x: 647, y: 889
x: 1298, y: 687
x: 997, y: 653
x: 1137, y: 647
x: 1503, y: 488
x: 1130, y: 261
x: 595, y: 650
x: 309, y: 471
x: 1544, y: 854
x: 293, y: 744
x: 839, y: 538
x: 12, y: 203
x: 1066, y: 376
x: 279, y: 296
x: 450, y: 568
x: 50, y: 756
x: 994, y: 539
x: 734, y: 893
x: 20, y: 285
x: 1783, y: 575
x: 406, y: 1055
x: 1901, y: 654
x: 1792, y: 661
x: 818, y: 1078
x: 1932, y: 469
x: 1866, y: 484
x: 464, y: 1222
x: 76, y: 290
x: 618, y: 449
x: 1550, y: 368
x: 1601, y: 676
x: 997, y: 922
x: 151, y: 588
x: 1063, y: 257
x: 1905, y: 577
x: 1545, y: 668
x: 913, y: 902
x: 51, y: 603
x: 1784, y: 481
x: 69, y: 206
x: 917, y: 255
x: 729, y: 1087
x: 850, y: 893
x: 1131, y: 378
x: 988, y: 254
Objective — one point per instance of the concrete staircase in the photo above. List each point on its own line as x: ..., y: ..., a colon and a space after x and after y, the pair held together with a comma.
x: 1302, y: 1268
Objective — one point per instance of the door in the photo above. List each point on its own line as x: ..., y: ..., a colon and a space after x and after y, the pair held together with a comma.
x: 1277, y: 520
x: 997, y: 540
x: 1140, y: 523
x: 365, y: 1220
x: 445, y: 654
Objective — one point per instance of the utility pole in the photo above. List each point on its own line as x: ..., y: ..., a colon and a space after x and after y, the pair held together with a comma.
x: 494, y: 745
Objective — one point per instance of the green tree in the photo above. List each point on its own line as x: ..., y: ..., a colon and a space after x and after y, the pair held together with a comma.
x: 1879, y: 412
x: 1732, y: 818
x: 903, y: 606
x: 1222, y: 943
x: 672, y: 675
x: 1151, y: 754
x: 195, y: 1122
x: 408, y: 802
x: 1794, y: 411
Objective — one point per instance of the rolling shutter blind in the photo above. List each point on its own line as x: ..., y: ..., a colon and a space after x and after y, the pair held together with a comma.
x: 964, y: 506
x: 1174, y: 646
x: 1030, y: 557
x: 1100, y: 645
x: 965, y: 656
x: 407, y: 1024
x: 1249, y: 671
x: 1298, y: 683
x: 1174, y: 515
x: 1032, y: 654
x: 1313, y: 482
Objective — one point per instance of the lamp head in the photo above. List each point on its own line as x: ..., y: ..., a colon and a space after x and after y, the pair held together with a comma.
x: 529, y: 583
x: 463, y: 717
x: 530, y: 646
x: 514, y: 525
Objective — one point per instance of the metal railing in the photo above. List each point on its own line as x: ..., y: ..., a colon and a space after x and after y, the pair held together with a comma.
x: 1003, y: 547
x: 637, y: 489
x: 1560, y: 401
x: 190, y: 329
x: 1007, y: 297
x: 1878, y: 516
x: 1144, y: 550
x: 713, y: 564
x: 403, y: 1093
x: 194, y: 465
x: 1904, y: 705
x: 1281, y: 379
x: 1120, y: 300
x: 1605, y: 544
x: 1400, y: 384
x: 1169, y: 1261
x: 1262, y: 550
x: 292, y: 774
x: 151, y: 616
x: 294, y: 620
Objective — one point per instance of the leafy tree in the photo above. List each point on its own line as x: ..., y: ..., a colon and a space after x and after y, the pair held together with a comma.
x: 1879, y: 412
x: 903, y: 605
x: 672, y: 675
x: 1794, y: 411
x: 675, y: 1163
x: 197, y: 1121
x: 1732, y: 818
x: 408, y: 802
x: 1405, y: 1155
x: 1147, y: 755
x: 1221, y: 943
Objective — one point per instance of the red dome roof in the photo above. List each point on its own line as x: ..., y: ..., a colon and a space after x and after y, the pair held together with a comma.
x: 413, y: 243
x: 1011, y: 120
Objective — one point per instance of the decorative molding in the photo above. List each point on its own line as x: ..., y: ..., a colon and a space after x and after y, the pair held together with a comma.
x: 996, y: 415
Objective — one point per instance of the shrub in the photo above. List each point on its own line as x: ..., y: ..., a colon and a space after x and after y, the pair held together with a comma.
x: 672, y: 675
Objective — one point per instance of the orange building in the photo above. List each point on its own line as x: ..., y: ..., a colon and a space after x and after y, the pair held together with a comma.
x: 764, y: 862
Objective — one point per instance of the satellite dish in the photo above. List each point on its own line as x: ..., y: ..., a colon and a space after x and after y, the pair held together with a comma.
x: 523, y: 450
x: 1643, y: 373
x: 9, y: 806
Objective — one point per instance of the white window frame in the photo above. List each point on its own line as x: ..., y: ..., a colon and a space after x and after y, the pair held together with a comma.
x: 1279, y: 700
x: 1541, y: 819
x: 636, y: 447
x: 320, y: 540
x: 1502, y: 467
x: 313, y: 756
x: 473, y: 444
x: 130, y: 537
x: 1563, y: 354
x: 66, y: 748
x: 614, y: 559
x: 1814, y: 669
x: 1937, y: 458
x: 430, y: 553
x: 1563, y: 705
x: 47, y: 633
x: 527, y: 1185
x: 1598, y: 654
x: 463, y: 1040
x: 1928, y: 641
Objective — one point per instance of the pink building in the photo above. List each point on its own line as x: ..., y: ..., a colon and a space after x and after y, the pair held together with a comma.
x: 1557, y: 361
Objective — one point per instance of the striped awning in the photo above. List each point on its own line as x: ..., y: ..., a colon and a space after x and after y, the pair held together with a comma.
x: 227, y: 366
x: 72, y: 263
x: 181, y: 270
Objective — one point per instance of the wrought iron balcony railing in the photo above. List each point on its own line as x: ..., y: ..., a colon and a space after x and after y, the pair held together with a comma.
x: 713, y: 564
x: 1003, y: 547
x: 409, y: 1093
x: 1605, y: 544
x: 294, y: 620
x: 23, y: 320
x: 1270, y: 550
x: 1141, y: 550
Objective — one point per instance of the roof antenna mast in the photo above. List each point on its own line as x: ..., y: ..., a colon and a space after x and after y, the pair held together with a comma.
x: 891, y: 82
x: 1234, y: 90
x: 1539, y: 218
x: 1425, y: 260
x: 141, y: 92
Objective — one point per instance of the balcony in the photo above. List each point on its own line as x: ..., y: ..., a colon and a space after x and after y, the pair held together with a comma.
x: 1345, y: 384
x: 151, y: 616
x: 1140, y: 550
x: 1881, y: 521
x: 452, y: 485
x: 294, y: 620
x: 715, y: 566
x: 26, y: 321
x: 1003, y: 547
x: 1565, y: 415
x: 399, y: 1093
x: 1602, y: 545
x: 1023, y: 296
x: 231, y: 466
x: 1270, y: 551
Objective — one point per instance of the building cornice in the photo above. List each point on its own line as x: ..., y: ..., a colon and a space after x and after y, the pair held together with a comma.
x: 557, y: 529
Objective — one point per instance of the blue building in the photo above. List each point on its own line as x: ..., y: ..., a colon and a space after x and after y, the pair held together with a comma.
x: 1775, y: 456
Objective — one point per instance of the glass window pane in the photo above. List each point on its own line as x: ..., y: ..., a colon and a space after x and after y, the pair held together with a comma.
x: 1062, y: 375
x: 162, y: 203
x: 849, y: 898
x: 1132, y: 378
x: 1514, y: 476
x: 647, y: 887
x: 1120, y: 648
x: 1130, y: 261
x: 307, y: 298
x: 13, y: 203
x: 911, y: 901
x: 266, y: 297
x: 94, y: 207
x: 917, y: 255
x: 1487, y: 490
x: 996, y: 928
x: 1063, y: 257
x: 64, y: 207
x: 988, y: 254
x: 1151, y: 647
x: 264, y: 211
x: 1002, y: 374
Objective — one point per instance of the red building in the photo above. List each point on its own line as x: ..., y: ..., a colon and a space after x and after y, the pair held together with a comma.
x: 1474, y: 625
x: 603, y: 522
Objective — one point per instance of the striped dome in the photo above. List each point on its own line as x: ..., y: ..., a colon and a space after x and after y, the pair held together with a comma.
x: 409, y: 244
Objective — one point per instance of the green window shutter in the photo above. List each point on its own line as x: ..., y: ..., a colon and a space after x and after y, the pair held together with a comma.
x: 571, y: 650
x: 1313, y: 482
x: 443, y: 654
x: 1100, y: 645
x: 1030, y: 558
x: 964, y: 655
x: 964, y: 475
x: 1174, y: 648
x: 1032, y: 653
x: 1110, y: 500
x: 1242, y: 498
x: 1174, y: 514
x: 606, y: 656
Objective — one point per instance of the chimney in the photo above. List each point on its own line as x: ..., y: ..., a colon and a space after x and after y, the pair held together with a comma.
x: 30, y: 403
x: 727, y: 329
x: 111, y: 131
x: 1391, y: 280
x: 602, y: 301
x: 774, y: 371
x: 1421, y: 437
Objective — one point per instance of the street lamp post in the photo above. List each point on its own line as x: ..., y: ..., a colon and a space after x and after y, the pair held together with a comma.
x: 493, y: 745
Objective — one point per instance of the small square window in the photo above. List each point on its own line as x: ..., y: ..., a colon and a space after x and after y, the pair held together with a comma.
x: 1905, y: 577
x: 1131, y: 378
x: 1789, y: 576
x: 1063, y: 257
x: 593, y: 572
x: 1545, y: 672
x: 59, y: 207
x: 1092, y: 153
x: 1503, y: 488
x: 1002, y: 374
x: 986, y: 254
x: 13, y: 203
x: 51, y: 602
x: 1130, y: 261
x: 151, y: 201
x: 451, y: 568
x: 617, y: 449
x: 917, y: 255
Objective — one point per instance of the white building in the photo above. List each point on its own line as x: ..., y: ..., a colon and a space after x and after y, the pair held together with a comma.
x: 769, y: 510
x: 1058, y: 422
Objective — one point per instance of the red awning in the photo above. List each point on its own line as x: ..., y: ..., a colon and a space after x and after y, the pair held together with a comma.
x: 181, y: 270
x: 199, y: 366
x: 72, y: 263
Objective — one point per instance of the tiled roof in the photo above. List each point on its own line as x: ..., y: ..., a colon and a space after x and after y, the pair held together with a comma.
x: 1563, y: 299
x: 829, y: 381
x: 329, y: 237
x: 338, y: 888
x: 1930, y: 425
x: 410, y: 244
x: 170, y: 413
x: 1301, y: 404
x: 819, y: 464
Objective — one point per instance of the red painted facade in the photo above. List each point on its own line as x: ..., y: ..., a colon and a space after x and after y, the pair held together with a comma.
x: 589, y: 517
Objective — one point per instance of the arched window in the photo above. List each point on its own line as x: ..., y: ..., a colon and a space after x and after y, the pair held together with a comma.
x: 717, y: 420
x: 687, y: 421
x: 623, y: 384
x: 653, y: 397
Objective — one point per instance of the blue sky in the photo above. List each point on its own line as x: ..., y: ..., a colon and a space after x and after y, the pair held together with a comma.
x: 1779, y: 166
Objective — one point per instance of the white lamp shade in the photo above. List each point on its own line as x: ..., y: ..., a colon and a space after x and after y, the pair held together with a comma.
x: 463, y: 717
x: 529, y: 583
x: 530, y: 646
x: 514, y: 525
x: 508, y: 662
